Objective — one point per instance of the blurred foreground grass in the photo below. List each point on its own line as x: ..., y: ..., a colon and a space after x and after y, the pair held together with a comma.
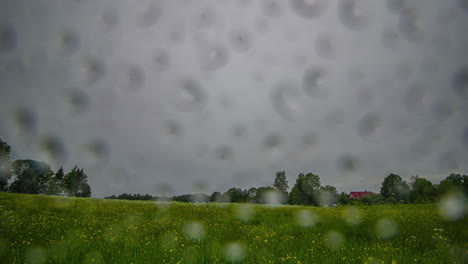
x: 39, y: 229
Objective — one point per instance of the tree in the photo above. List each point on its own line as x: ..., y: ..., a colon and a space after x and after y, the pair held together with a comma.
x: 31, y: 176
x: 394, y: 187
x: 281, y: 183
x: 306, y: 191
x: 262, y: 195
x: 76, y: 183
x: 422, y: 190
x: 5, y: 164
x: 237, y: 195
x: 454, y: 182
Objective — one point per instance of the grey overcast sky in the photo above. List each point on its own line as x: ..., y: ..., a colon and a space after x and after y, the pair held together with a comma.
x: 181, y: 96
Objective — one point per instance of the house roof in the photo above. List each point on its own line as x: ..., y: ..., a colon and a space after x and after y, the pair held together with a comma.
x: 358, y: 195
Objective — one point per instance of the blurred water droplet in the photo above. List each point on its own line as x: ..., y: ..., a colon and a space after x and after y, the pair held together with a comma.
x: 352, y: 216
x: 272, y: 8
x: 273, y: 143
x: 273, y: 198
x: 239, y: 130
x: 334, y: 239
x: 390, y: 38
x: 161, y: 60
x: 78, y: 100
x: 26, y: 121
x: 135, y: 77
x: 150, y: 14
x: 313, y: 82
x: 448, y: 161
x: 94, y: 257
x: 69, y: 42
x: 55, y: 150
x: 325, y: 46
x: 463, y: 4
x: 8, y: 38
x: 194, y: 230
x: 92, y: 70
x: 189, y: 96
x: 109, y: 19
x: 241, y: 40
x: 234, y: 252
x: 410, y: 27
x: 35, y: 255
x: 335, y: 117
x: 206, y: 18
x: 368, y: 124
x: 306, y: 218
x: 452, y: 206
x: 99, y: 149
x: 460, y: 82
x: 442, y: 109
x: 349, y: 163
x: 173, y: 128
x: 386, y: 228
x: 224, y: 152
x: 309, y: 139
x: 245, y: 212
x: 355, y: 14
x: 309, y: 8
x: 415, y: 97
x: 213, y: 56
x: 288, y: 101
x: 465, y: 137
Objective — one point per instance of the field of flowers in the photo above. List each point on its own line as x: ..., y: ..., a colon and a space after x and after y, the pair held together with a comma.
x: 39, y: 229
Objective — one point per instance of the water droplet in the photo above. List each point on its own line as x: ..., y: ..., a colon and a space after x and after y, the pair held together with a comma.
x: 368, y: 124
x: 150, y: 15
x: 245, y: 212
x: 452, y: 206
x: 273, y: 198
x: 8, y: 38
x: 460, y: 82
x: 93, y: 257
x: 213, y: 56
x: 26, y: 121
x: 93, y: 70
x: 349, y: 163
x: 161, y: 60
x: 224, y: 152
x: 239, y: 130
x: 390, y: 38
x: 234, y: 252
x: 272, y: 8
x: 173, y: 128
x: 99, y: 149
x: 206, y: 18
x: 273, y: 143
x: 334, y: 239
x: 69, y: 42
x: 415, y: 97
x: 109, y: 19
x: 78, y: 100
x: 36, y: 255
x: 55, y: 150
x: 189, y: 96
x: 463, y: 4
x: 288, y: 101
x: 442, y: 109
x: 135, y: 77
x: 309, y: 139
x: 411, y: 28
x: 325, y: 46
x: 352, y: 216
x: 241, y: 40
x: 313, y: 82
x: 355, y: 14
x: 306, y: 218
x: 386, y: 228
x: 194, y: 230
x: 309, y: 8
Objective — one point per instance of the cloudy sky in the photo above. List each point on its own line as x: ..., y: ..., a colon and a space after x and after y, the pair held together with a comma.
x: 180, y: 96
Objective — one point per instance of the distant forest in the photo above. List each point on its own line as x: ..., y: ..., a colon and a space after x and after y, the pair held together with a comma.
x: 35, y: 177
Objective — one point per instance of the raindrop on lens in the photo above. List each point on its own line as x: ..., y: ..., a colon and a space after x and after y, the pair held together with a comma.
x: 272, y: 8
x: 36, y: 255
x: 213, y: 56
x: 93, y: 70
x: 245, y: 212
x: 206, y: 18
x: 26, y: 121
x: 348, y: 163
x: 241, y: 40
x: 460, y: 82
x: 78, y: 100
x: 386, y: 228
x: 334, y: 239
x: 194, y: 230
x: 312, y: 82
x: 352, y: 216
x: 309, y: 9
x: 173, y: 128
x: 8, y: 38
x: 368, y: 124
x: 224, y: 152
x: 306, y: 218
x: 353, y: 15
x: 69, y: 42
x: 288, y: 101
x: 54, y: 148
x: 135, y: 77
x: 161, y: 60
x: 325, y: 46
x: 452, y: 206
x: 99, y: 149
x: 189, y: 96
x: 150, y: 15
x: 234, y: 252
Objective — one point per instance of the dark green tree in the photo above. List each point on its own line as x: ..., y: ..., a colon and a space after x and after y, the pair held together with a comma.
x: 395, y: 188
x: 306, y: 191
x: 422, y: 190
x: 453, y: 182
x: 31, y: 176
x: 261, y: 196
x: 75, y: 183
x: 281, y: 183
x: 328, y: 195
x: 5, y: 164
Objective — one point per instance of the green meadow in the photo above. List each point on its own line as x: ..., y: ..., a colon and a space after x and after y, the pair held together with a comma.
x: 41, y: 229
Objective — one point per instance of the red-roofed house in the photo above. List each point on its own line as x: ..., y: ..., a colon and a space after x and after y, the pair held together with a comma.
x: 358, y: 195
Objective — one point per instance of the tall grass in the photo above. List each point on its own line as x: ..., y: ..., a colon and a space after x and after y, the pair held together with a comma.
x: 39, y: 229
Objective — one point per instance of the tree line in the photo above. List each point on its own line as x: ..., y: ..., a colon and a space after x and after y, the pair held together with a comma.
x: 36, y: 177
x: 308, y: 190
